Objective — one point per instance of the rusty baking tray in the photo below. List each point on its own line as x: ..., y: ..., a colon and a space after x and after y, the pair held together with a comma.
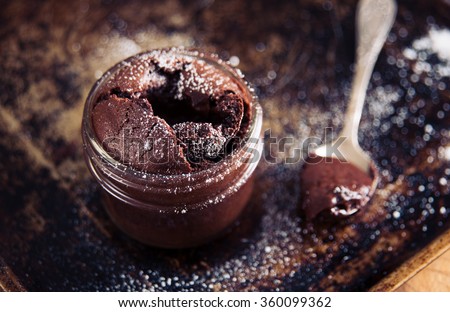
x: 54, y: 232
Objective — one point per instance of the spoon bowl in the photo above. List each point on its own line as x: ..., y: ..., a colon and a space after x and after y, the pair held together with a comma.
x: 347, y: 151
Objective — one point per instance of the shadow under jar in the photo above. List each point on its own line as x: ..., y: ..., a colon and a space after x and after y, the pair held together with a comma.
x: 176, y: 209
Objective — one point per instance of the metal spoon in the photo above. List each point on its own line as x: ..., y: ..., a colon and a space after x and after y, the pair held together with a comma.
x: 374, y: 19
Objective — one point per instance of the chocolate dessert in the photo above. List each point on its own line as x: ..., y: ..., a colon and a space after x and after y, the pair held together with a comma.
x: 169, y: 113
x: 332, y: 185
x: 177, y: 125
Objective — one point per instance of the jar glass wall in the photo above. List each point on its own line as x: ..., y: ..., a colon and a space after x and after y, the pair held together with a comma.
x: 176, y: 210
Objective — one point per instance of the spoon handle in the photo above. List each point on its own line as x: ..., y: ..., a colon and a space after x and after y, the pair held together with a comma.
x: 374, y: 19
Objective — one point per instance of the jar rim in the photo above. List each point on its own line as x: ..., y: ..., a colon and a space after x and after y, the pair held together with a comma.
x: 135, y: 177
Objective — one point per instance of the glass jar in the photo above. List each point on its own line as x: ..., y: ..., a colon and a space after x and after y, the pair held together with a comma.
x: 182, y: 210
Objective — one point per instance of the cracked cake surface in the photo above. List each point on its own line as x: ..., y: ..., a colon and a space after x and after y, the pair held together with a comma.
x: 170, y: 113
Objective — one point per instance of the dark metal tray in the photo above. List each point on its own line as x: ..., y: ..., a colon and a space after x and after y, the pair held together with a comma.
x: 54, y: 233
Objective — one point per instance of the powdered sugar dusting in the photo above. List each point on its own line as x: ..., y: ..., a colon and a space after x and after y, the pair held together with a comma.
x: 436, y: 42
x: 197, y: 95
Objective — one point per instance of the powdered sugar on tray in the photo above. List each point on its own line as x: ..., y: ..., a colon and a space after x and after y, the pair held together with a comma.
x: 436, y: 42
